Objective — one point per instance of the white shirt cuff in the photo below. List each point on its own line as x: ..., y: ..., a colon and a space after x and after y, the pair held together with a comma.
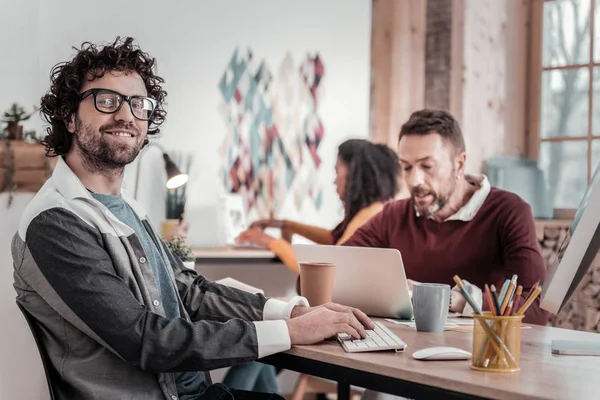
x: 276, y: 309
x: 272, y: 337
x: 476, y: 295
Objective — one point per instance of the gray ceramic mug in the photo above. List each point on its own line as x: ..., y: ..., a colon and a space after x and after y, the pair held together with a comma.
x: 430, y: 303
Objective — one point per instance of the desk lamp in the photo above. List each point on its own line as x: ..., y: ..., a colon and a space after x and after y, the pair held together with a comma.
x: 175, y: 178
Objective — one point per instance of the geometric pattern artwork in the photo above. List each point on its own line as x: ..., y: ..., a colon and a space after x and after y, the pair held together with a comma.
x: 272, y: 131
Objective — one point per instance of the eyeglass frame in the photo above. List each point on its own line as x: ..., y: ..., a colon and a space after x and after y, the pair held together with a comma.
x: 94, y: 92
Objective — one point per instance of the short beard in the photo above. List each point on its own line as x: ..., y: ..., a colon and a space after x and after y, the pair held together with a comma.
x: 434, y: 208
x: 97, y: 156
x: 438, y: 202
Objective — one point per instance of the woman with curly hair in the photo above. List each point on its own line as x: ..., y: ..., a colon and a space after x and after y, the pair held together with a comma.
x: 367, y: 176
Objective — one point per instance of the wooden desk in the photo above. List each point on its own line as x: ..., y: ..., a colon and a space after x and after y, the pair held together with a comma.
x: 542, y: 375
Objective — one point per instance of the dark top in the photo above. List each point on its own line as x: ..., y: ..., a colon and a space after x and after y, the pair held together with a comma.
x: 498, y: 242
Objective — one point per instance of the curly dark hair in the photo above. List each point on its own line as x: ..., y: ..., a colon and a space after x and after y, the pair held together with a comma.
x: 441, y: 122
x: 61, y: 102
x: 373, y: 172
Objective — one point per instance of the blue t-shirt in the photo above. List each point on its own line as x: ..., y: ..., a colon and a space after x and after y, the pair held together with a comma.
x: 188, y: 383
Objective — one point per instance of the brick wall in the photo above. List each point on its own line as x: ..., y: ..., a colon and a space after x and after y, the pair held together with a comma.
x: 438, y: 46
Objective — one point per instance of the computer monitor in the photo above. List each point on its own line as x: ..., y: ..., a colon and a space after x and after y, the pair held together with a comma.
x: 577, y: 251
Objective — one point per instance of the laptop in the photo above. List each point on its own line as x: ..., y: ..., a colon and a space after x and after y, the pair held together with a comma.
x: 370, y: 279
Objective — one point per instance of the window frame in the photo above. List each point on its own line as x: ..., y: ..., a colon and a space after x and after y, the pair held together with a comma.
x: 535, y: 72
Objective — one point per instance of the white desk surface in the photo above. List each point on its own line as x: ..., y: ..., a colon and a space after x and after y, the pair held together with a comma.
x: 232, y: 253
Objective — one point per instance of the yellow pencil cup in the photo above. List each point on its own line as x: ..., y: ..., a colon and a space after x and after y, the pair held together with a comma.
x: 496, y: 343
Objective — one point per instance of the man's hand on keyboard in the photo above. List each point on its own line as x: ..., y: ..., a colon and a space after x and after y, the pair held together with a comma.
x: 315, y: 324
x: 361, y: 316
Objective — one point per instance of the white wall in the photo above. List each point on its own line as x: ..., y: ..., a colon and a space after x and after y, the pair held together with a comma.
x: 194, y: 47
x: 193, y: 42
x: 19, y: 76
x: 21, y: 372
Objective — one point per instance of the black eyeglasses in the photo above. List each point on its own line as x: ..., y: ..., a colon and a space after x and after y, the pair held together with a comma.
x: 109, y: 102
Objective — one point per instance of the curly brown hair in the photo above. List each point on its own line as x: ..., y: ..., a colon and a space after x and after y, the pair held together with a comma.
x: 373, y: 171
x: 61, y: 102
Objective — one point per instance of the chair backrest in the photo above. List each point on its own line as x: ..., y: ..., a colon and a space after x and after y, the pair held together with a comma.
x: 51, y: 373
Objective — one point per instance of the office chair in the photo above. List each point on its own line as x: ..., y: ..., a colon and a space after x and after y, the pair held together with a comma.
x: 51, y: 374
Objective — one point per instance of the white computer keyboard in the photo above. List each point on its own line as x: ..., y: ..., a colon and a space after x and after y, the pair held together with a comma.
x: 380, y: 338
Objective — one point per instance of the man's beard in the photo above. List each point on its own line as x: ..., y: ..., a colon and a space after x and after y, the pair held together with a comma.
x: 99, y: 155
x: 439, y: 200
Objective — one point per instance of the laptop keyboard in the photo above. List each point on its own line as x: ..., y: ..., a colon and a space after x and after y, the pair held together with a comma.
x: 380, y: 338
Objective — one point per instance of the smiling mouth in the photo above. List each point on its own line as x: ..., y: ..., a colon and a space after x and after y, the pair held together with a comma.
x: 120, y: 134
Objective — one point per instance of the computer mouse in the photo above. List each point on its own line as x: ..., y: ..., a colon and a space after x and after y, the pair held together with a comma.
x: 441, y: 353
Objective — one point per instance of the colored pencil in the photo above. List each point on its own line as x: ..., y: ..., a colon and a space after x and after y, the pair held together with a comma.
x: 495, y: 296
x: 503, y: 290
x: 496, y: 342
x: 529, y: 301
x: 517, y: 299
x: 507, y: 296
x: 512, y: 306
x: 490, y: 300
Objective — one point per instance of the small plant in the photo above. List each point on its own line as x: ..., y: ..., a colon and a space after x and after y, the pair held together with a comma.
x: 13, y: 118
x: 178, y: 246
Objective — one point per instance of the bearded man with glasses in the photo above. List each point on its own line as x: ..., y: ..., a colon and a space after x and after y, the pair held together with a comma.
x: 122, y: 317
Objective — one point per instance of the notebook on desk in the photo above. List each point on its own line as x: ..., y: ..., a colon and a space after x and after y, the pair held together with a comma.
x: 234, y: 283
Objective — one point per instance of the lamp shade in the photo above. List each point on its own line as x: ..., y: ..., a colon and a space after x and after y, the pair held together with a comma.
x: 175, y: 178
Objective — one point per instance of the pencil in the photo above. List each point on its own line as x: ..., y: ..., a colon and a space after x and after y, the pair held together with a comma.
x: 517, y: 299
x: 495, y: 296
x: 502, y: 293
x: 514, y: 280
x: 535, y: 285
x: 467, y: 296
x: 496, y: 342
x: 530, y: 299
x: 507, y: 296
x: 490, y: 300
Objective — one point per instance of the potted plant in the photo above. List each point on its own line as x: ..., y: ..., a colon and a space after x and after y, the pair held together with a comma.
x: 178, y: 246
x: 24, y: 166
x: 13, y: 118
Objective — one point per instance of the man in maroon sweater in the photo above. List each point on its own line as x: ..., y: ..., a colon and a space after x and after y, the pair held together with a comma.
x: 455, y: 224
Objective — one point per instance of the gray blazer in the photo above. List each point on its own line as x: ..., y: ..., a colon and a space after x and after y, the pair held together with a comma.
x: 84, y: 276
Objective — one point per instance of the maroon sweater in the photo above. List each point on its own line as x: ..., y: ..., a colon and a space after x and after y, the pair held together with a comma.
x: 498, y: 242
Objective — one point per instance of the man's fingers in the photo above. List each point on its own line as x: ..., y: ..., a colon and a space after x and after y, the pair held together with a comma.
x: 358, y: 314
x: 350, y: 319
x: 336, y: 307
x: 349, y: 329
x: 363, y: 318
